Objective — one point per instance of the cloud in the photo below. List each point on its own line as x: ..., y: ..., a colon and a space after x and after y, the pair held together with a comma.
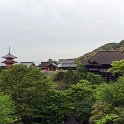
x: 58, y: 28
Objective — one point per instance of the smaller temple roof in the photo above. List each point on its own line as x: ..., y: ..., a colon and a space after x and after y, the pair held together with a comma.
x: 28, y: 64
x: 69, y: 61
x: 46, y: 64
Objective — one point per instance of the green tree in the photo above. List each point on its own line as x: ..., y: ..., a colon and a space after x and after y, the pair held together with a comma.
x: 7, y: 110
x: 81, y: 95
x: 54, y: 108
x: 99, y: 111
x: 108, y: 119
x: 58, y: 76
x: 94, y: 78
x: 112, y: 93
x: 25, y: 85
x: 82, y: 71
x: 68, y: 78
x: 71, y: 77
x: 111, y: 111
x: 117, y: 67
x: 36, y: 98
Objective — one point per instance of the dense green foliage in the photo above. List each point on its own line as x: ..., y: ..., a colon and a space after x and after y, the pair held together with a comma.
x: 117, y: 67
x: 24, y: 85
x: 72, y: 77
x: 7, y: 110
x: 33, y: 98
x: 81, y: 95
x: 109, y: 107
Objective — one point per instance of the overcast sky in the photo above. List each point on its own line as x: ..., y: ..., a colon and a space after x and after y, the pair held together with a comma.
x: 38, y: 30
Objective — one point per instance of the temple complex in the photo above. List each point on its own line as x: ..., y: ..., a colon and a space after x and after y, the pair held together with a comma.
x: 9, y: 59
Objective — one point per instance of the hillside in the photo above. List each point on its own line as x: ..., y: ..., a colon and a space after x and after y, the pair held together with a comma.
x: 109, y: 46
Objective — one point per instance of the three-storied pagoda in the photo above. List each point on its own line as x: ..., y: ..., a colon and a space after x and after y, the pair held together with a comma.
x: 9, y: 59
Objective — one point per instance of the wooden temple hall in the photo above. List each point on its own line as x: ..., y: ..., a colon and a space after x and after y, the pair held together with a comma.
x: 101, y: 62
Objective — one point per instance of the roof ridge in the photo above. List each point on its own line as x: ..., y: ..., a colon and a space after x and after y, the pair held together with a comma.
x: 108, y: 51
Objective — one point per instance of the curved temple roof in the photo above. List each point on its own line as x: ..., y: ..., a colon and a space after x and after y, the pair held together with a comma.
x: 106, y: 57
x: 9, y: 55
x: 9, y: 61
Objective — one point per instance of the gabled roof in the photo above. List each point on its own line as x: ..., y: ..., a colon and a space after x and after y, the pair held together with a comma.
x: 27, y: 63
x: 46, y: 64
x: 66, y: 63
x: 69, y: 61
x: 9, y: 55
x: 106, y: 57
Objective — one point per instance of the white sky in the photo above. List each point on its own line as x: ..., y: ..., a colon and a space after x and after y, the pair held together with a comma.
x: 38, y: 30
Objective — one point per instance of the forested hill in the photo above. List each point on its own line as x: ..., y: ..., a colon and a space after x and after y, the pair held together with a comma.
x: 109, y: 46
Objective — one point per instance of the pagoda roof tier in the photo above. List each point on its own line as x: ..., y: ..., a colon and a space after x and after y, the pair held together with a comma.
x: 9, y: 55
x: 9, y: 62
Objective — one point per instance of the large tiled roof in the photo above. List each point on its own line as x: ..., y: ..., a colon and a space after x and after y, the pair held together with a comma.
x: 106, y: 57
x: 9, y: 55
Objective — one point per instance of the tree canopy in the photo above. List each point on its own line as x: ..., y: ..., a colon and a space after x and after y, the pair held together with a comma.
x: 117, y: 67
x: 7, y: 110
x: 24, y: 84
x: 29, y: 97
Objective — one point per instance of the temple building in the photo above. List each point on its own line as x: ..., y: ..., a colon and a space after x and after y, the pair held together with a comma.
x: 49, y: 65
x: 9, y: 59
x: 65, y: 64
x: 101, y: 62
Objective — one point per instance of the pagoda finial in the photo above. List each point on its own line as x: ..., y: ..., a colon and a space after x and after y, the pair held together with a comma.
x: 9, y: 48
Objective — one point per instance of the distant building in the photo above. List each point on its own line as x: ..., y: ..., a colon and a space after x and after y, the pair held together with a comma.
x: 101, y: 62
x: 48, y: 66
x: 28, y: 64
x: 65, y: 64
x: 9, y: 59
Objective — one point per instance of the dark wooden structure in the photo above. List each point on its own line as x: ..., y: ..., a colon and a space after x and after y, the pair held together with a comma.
x: 9, y: 59
x: 101, y: 62
x: 48, y: 66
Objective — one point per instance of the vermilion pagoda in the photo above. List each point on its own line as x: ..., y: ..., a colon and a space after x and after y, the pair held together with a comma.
x: 9, y: 59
